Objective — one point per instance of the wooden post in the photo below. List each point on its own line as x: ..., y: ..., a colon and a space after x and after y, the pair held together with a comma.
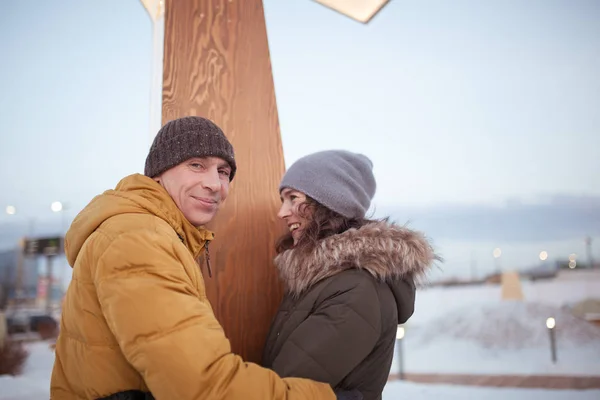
x: 217, y: 65
x: 511, y: 286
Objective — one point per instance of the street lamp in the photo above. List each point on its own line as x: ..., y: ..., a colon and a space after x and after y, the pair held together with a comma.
x: 399, y: 337
x: 572, y: 260
x: 56, y: 206
x: 12, y: 210
x: 551, y: 325
x: 497, y: 253
x: 62, y: 208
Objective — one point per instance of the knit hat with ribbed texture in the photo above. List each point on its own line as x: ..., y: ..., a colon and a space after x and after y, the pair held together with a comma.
x: 185, y: 138
x: 340, y: 180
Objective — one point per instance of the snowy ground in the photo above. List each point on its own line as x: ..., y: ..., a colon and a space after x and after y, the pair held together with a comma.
x: 569, y: 288
x: 407, y: 390
x: 462, y: 357
x: 35, y: 382
x: 501, y: 338
x: 433, y: 342
x: 508, y: 338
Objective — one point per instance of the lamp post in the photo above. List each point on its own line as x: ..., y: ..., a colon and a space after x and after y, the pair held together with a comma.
x: 12, y: 210
x: 588, y: 250
x: 497, y: 253
x: 399, y: 337
x: 551, y: 325
x: 59, y: 207
x: 543, y: 256
x: 572, y: 261
x: 56, y: 207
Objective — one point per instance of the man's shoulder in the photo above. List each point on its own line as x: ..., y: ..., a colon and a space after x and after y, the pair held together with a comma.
x: 134, y: 224
x: 132, y: 237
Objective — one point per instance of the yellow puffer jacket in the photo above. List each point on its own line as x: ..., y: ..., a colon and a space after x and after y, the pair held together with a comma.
x: 136, y: 316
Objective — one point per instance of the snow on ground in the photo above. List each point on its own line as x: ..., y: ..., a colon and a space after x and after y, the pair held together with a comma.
x: 466, y: 330
x: 34, y: 383
x: 568, y: 288
x: 501, y: 337
x: 465, y: 357
x: 406, y: 390
x: 470, y: 330
x: 511, y: 325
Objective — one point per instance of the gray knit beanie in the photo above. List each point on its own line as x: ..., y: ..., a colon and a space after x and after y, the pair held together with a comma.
x: 184, y: 138
x: 340, y: 180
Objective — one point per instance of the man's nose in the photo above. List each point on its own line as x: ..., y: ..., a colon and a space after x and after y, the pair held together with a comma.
x: 212, y: 181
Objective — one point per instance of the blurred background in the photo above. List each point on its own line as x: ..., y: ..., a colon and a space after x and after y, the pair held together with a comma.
x: 481, y: 119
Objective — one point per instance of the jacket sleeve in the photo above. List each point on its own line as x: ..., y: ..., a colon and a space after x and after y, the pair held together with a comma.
x: 169, y: 334
x: 337, y: 336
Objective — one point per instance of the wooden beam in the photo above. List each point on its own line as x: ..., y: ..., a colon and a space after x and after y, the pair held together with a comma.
x: 217, y: 65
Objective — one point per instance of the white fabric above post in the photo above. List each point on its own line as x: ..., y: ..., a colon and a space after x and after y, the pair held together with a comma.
x: 156, y: 10
x: 359, y: 10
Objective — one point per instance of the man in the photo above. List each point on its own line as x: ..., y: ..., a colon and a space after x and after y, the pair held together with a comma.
x: 136, y: 322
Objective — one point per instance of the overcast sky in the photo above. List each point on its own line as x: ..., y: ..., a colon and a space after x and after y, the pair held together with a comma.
x: 479, y: 116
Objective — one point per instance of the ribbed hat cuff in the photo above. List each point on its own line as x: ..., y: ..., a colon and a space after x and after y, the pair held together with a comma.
x: 182, y: 147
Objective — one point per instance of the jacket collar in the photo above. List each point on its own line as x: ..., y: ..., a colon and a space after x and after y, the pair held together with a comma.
x: 385, y: 250
x: 153, y: 197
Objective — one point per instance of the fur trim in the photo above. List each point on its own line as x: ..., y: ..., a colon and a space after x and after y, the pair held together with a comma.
x: 385, y: 250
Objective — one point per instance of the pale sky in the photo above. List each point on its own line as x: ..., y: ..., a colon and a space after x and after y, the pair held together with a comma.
x: 459, y: 104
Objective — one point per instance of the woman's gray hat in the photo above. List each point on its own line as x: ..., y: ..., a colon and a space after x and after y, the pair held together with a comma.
x: 184, y: 138
x: 340, y: 180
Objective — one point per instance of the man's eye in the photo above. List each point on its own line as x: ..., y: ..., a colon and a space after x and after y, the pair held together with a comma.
x: 293, y: 197
x: 225, y: 172
x: 196, y: 165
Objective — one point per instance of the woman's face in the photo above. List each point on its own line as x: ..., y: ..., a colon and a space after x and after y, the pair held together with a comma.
x: 291, y: 212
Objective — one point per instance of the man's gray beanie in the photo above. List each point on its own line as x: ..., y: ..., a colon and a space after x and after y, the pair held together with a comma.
x: 340, y: 180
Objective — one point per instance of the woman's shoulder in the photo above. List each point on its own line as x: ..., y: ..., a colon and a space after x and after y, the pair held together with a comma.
x: 353, y: 276
x: 348, y: 282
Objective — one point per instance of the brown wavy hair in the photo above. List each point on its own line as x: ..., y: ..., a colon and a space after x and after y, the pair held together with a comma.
x: 322, y: 222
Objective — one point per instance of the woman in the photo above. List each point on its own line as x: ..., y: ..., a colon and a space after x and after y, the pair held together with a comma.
x: 349, y: 280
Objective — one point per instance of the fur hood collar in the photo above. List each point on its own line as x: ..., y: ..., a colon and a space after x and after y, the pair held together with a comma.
x: 385, y: 250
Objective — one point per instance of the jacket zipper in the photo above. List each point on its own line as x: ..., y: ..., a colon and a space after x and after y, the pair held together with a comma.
x: 207, y: 253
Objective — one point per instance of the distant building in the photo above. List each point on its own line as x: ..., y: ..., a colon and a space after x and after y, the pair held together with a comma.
x: 33, y: 283
x: 8, y: 276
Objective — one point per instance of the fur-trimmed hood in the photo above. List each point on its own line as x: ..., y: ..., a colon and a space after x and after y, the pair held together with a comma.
x: 387, y: 251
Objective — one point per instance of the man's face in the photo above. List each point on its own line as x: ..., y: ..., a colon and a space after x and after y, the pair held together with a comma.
x: 198, y: 186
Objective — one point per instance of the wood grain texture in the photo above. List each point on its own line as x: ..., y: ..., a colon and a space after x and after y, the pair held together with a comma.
x: 217, y: 65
